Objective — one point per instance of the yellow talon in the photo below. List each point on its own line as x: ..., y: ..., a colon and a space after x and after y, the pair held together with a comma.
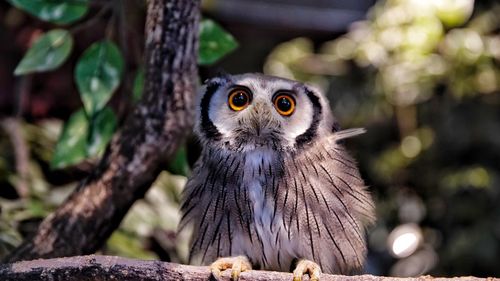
x: 237, y: 264
x: 309, y: 267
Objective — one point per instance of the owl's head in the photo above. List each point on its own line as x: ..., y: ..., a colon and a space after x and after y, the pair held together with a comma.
x: 251, y: 111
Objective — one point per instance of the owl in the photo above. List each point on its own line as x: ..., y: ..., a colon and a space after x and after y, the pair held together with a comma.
x: 274, y: 188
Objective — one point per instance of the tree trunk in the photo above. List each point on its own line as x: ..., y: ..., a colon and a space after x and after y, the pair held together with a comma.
x: 99, y: 268
x: 135, y: 156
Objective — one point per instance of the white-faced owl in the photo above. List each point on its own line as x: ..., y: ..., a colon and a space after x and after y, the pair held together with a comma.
x: 274, y: 187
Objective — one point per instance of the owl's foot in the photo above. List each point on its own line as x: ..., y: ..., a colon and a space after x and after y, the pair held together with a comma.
x: 309, y: 267
x: 237, y: 264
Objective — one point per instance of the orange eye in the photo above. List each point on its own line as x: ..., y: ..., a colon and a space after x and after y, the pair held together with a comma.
x: 284, y: 104
x: 238, y: 99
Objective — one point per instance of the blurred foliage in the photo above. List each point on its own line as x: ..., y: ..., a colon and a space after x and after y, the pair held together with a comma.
x: 215, y: 42
x: 19, y: 215
x: 153, y: 220
x: 58, y: 11
x: 56, y: 164
x: 98, y: 72
x: 147, y: 232
x: 47, y: 53
x: 79, y: 139
x: 424, y: 78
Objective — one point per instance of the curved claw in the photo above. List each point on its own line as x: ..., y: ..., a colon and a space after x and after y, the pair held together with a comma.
x: 237, y: 264
x: 309, y: 267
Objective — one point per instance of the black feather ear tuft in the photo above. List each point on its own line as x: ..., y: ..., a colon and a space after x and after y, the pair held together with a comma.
x: 221, y: 76
x: 221, y: 73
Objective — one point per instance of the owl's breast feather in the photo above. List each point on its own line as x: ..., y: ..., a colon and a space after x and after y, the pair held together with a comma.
x: 270, y: 233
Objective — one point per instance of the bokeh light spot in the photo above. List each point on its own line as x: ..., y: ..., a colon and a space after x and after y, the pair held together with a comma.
x: 411, y: 146
x: 404, y: 240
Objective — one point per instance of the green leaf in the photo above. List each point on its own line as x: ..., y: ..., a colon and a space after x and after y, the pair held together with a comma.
x: 36, y: 208
x: 215, y: 42
x: 138, y: 87
x: 179, y: 164
x: 102, y: 129
x: 55, y: 11
x: 47, y: 53
x: 72, y: 145
x: 98, y: 74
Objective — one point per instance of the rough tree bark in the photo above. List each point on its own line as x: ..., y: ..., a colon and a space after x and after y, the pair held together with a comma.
x: 99, y: 268
x: 134, y: 158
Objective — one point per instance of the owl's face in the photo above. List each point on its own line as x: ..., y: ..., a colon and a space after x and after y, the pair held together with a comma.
x: 251, y: 111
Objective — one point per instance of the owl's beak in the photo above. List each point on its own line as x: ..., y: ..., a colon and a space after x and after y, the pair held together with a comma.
x: 260, y: 117
x: 258, y: 129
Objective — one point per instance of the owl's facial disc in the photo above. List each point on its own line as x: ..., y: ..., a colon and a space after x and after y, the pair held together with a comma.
x: 253, y: 111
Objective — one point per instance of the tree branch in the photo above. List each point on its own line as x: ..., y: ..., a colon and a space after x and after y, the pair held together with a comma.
x: 150, y: 135
x: 99, y: 268
x: 12, y: 127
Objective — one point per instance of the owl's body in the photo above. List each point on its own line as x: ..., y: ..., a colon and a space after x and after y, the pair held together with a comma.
x: 271, y: 185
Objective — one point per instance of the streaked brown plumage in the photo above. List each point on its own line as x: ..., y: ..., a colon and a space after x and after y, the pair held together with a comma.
x: 275, y: 188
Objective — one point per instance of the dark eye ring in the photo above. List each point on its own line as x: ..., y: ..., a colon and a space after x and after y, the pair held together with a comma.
x: 284, y: 104
x: 239, y: 99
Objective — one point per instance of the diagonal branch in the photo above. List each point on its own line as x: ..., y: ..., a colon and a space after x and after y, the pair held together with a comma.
x: 12, y: 127
x: 149, y: 136
x: 99, y: 268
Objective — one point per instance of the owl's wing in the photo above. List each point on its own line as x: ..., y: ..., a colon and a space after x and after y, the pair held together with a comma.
x: 330, y: 205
